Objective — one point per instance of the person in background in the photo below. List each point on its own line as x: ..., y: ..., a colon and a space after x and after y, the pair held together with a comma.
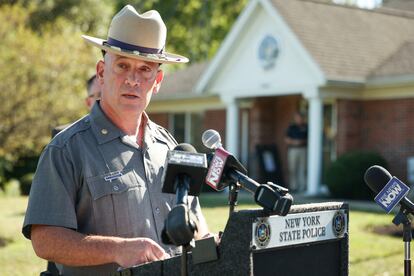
x: 297, y: 139
x: 93, y: 90
x: 96, y: 203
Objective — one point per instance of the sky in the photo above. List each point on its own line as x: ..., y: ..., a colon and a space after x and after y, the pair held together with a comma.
x: 368, y: 4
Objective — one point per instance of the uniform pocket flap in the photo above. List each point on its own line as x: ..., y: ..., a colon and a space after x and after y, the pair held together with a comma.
x: 111, y: 183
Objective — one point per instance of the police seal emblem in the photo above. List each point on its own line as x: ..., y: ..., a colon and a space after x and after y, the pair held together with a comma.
x: 338, y: 224
x: 262, y: 233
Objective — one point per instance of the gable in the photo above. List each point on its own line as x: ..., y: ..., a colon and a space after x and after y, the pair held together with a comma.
x: 238, y: 70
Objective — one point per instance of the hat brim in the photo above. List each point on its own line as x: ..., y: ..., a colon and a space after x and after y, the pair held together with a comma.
x: 158, y: 58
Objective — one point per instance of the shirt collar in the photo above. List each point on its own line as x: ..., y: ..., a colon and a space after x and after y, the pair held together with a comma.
x: 105, y: 131
x: 102, y: 126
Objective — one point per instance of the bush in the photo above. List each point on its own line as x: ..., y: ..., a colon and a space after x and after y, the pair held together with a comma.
x: 22, y: 166
x: 345, y: 176
x: 26, y: 183
x: 5, y: 166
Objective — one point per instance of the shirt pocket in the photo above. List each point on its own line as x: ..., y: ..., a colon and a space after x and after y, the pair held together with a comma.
x: 111, y: 194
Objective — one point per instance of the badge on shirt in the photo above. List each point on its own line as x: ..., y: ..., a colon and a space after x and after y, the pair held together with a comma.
x: 113, y: 176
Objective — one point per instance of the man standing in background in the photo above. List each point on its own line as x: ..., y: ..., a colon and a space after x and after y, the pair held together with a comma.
x: 297, y: 139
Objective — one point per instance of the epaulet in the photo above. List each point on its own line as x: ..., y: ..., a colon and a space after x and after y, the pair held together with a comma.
x: 165, y: 133
x: 162, y: 134
x: 64, y: 136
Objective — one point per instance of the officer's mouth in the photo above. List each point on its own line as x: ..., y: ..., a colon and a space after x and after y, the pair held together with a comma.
x: 130, y: 96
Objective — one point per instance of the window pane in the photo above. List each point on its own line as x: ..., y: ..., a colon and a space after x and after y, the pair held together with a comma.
x: 196, y: 132
x: 179, y: 127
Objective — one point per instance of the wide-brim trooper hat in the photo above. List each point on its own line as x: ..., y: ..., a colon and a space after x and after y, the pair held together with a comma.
x: 139, y: 36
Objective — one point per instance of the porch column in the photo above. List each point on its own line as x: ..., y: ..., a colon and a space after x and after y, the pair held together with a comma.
x: 232, y: 127
x: 315, y: 122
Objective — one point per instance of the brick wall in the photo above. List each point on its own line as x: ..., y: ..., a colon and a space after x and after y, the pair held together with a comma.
x: 160, y: 119
x: 384, y: 126
x: 216, y: 119
x: 349, y: 126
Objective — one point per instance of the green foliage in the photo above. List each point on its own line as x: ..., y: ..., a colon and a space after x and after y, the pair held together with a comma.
x: 345, y: 176
x: 45, y: 62
x: 5, y: 166
x: 23, y: 170
x: 26, y: 183
x: 88, y: 16
x: 42, y: 81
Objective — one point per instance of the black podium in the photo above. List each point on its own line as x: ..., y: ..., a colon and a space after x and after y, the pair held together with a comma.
x: 313, y: 239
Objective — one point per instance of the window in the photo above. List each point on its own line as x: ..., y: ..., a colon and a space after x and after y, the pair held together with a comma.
x: 188, y: 128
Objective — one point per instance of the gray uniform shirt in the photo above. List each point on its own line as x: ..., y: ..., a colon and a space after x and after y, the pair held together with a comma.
x: 92, y: 178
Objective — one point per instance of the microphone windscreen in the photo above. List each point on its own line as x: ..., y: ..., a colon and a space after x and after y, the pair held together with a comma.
x: 185, y: 147
x: 211, y: 139
x: 376, y: 178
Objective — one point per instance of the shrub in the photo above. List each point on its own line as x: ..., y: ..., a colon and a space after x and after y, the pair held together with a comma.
x: 5, y: 166
x: 26, y: 183
x: 345, y: 176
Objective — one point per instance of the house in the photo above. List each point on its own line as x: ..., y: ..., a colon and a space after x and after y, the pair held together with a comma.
x: 350, y: 69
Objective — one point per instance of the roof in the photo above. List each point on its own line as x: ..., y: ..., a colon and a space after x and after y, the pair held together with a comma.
x: 350, y: 44
x: 399, y: 4
x: 182, y: 82
x: 347, y: 42
x: 399, y: 63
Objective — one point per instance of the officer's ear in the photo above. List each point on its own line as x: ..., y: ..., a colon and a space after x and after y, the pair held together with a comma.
x: 158, y: 80
x: 100, y: 68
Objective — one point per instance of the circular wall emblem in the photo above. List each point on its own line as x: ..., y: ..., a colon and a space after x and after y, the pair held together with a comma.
x: 268, y: 52
x: 338, y: 224
x: 262, y: 233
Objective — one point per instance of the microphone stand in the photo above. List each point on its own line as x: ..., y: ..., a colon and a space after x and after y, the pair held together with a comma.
x: 233, y: 193
x: 184, y: 260
x: 179, y: 226
x: 402, y: 217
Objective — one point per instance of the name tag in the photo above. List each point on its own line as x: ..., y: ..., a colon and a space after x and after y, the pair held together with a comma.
x: 113, y: 176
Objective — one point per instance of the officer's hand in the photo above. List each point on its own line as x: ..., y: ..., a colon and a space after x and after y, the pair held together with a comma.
x: 136, y: 251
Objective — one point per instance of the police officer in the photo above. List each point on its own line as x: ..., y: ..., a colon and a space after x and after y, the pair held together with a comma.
x: 96, y: 202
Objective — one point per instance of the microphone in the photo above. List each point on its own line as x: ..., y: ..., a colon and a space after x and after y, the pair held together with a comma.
x: 389, y: 190
x: 184, y: 172
x: 225, y: 169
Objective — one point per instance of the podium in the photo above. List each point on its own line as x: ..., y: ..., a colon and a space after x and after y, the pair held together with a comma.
x: 313, y: 239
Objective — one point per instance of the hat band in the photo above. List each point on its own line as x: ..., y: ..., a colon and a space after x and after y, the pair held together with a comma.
x: 130, y: 47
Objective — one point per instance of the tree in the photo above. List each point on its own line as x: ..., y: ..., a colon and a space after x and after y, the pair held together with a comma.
x: 41, y: 81
x: 88, y: 16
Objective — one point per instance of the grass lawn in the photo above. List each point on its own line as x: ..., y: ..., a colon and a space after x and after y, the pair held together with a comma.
x: 370, y: 253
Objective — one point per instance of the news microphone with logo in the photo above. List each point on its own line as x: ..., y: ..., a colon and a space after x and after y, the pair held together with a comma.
x: 184, y: 173
x: 389, y: 190
x: 184, y: 169
x: 225, y: 169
